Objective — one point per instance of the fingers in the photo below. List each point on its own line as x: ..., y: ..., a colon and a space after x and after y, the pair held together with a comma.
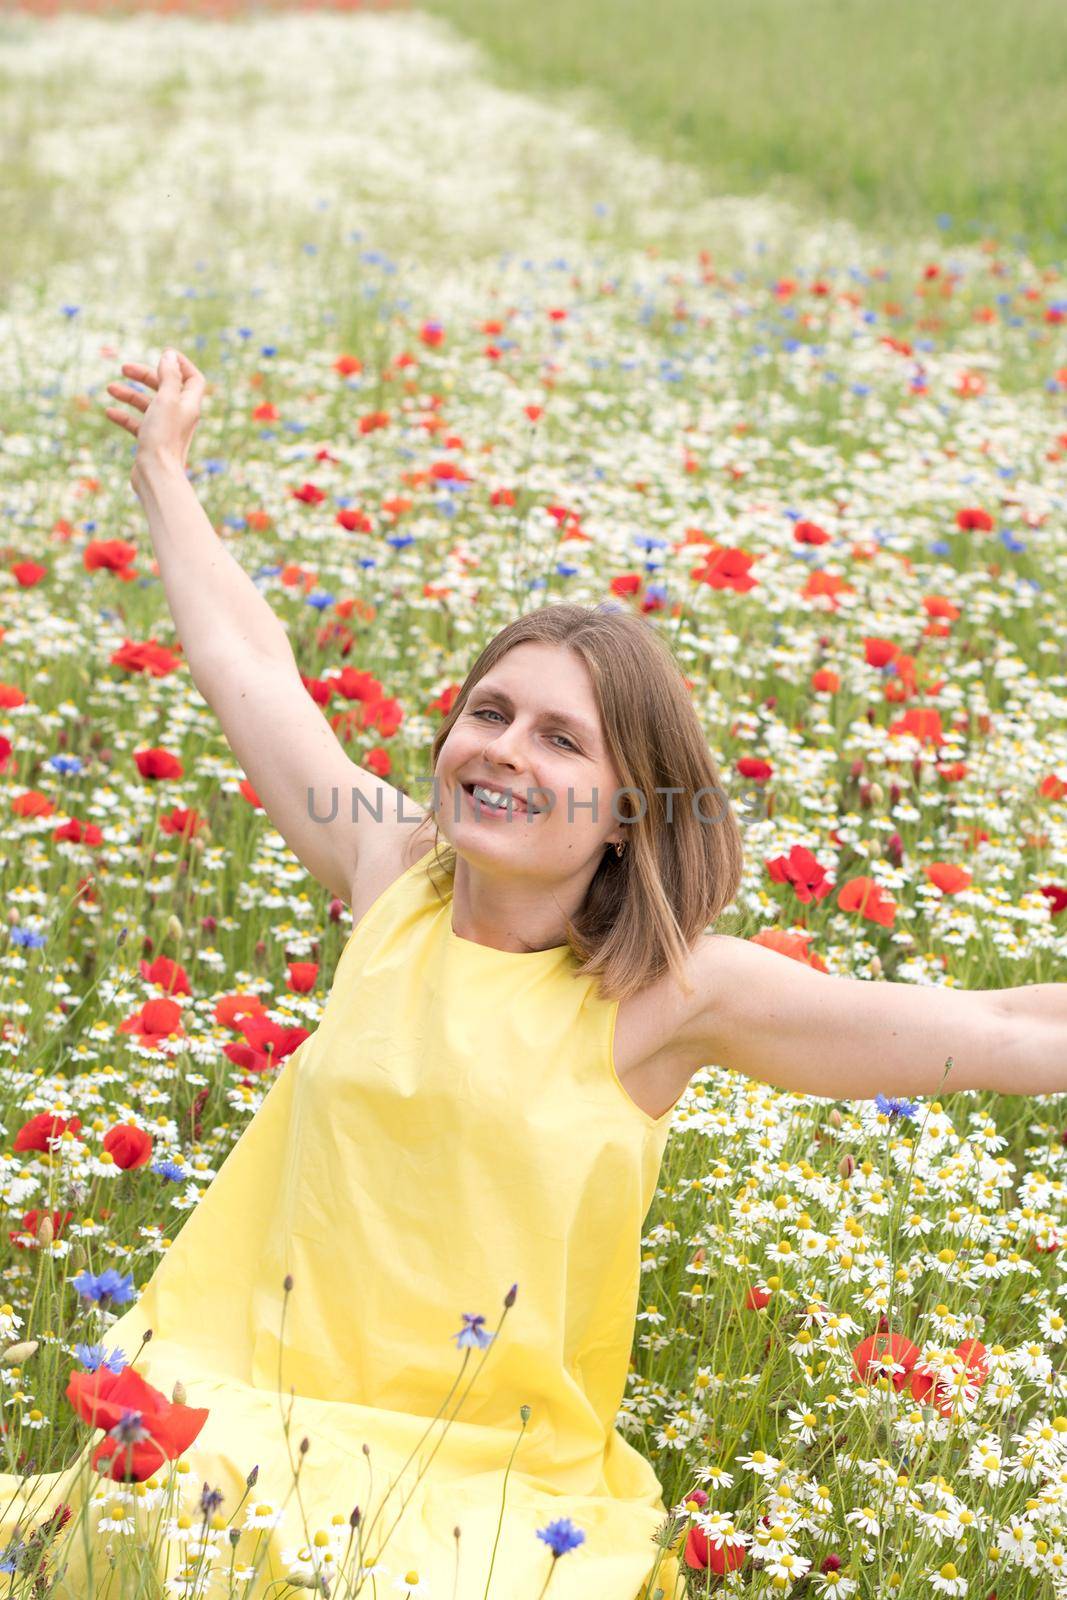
x: 123, y: 419
x: 142, y: 374
x: 122, y: 391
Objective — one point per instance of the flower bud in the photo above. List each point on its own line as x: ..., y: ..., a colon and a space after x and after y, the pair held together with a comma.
x: 847, y: 1166
x: 336, y: 909
x: 876, y: 967
x: 175, y: 930
x: 877, y: 794
x: 177, y: 1394
x: 45, y: 1231
x: 16, y: 1354
x: 834, y: 1118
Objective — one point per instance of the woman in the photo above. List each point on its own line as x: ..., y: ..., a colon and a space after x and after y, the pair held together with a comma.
x: 473, y: 1133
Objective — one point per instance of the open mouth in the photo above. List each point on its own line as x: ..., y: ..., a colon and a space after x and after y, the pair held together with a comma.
x: 496, y: 802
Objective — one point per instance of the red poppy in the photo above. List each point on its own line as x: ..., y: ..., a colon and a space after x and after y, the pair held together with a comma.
x: 1056, y: 895
x: 156, y: 1021
x: 172, y: 978
x: 38, y: 1133
x: 146, y: 656
x: 800, y: 868
x: 103, y: 1398
x: 111, y: 554
x: 704, y: 1556
x: 794, y: 945
x: 880, y: 652
x: 948, y: 878
x: 810, y: 533
x: 922, y: 723
x: 867, y: 897
x: 76, y: 832
x: 754, y: 767
x: 302, y: 975
x: 726, y: 569
x: 128, y: 1146
x: 25, y: 1237
x: 27, y: 574
x: 932, y: 1389
x: 268, y: 1044
x: 974, y: 519
x: 181, y: 820
x: 157, y: 763
x: 872, y: 1357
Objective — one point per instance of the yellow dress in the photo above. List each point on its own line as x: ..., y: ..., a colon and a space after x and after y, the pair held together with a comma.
x: 453, y: 1127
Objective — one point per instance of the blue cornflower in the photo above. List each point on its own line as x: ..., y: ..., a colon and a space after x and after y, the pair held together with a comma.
x: 130, y: 1428
x: 320, y: 600
x: 105, y: 1288
x: 472, y: 1335
x: 26, y: 938
x: 65, y: 764
x: 561, y: 1536
x: 895, y: 1108
x: 169, y: 1169
x: 95, y: 1356
x: 11, y: 1555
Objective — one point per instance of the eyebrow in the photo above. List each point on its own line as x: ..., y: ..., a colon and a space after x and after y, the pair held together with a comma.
x: 576, y: 724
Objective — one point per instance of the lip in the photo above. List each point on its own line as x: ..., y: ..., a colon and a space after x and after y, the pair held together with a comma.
x: 516, y: 803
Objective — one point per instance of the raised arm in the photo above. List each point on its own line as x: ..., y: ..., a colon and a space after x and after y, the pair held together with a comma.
x: 764, y: 1014
x: 242, y: 663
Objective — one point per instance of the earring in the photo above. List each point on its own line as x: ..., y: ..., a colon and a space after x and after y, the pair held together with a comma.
x: 619, y: 847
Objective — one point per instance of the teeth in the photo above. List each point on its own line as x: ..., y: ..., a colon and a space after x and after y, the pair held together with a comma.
x: 495, y: 797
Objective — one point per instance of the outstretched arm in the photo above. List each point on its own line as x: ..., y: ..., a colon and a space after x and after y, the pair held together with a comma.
x: 776, y: 1019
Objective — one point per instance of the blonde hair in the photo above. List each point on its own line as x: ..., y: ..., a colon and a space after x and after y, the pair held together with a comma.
x: 643, y: 911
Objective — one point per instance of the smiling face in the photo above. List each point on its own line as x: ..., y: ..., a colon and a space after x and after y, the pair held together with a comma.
x: 531, y: 730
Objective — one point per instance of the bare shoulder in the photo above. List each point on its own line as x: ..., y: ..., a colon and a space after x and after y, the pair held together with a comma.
x: 665, y: 1033
x: 386, y: 849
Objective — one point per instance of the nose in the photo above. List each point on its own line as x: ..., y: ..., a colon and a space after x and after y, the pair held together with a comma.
x: 504, y: 749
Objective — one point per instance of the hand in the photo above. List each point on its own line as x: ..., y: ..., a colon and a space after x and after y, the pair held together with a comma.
x: 165, y: 430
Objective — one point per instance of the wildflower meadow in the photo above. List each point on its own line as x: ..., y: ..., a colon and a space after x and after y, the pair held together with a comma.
x: 467, y: 356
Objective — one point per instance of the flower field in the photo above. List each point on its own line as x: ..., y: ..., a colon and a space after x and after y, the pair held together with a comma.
x: 466, y: 357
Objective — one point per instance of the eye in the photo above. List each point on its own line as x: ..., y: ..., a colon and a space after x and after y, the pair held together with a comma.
x: 488, y: 711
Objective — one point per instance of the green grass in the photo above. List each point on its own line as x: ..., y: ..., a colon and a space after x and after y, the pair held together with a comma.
x: 891, y: 115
